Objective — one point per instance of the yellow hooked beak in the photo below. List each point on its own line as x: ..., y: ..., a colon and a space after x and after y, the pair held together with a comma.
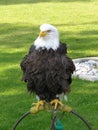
x: 42, y: 34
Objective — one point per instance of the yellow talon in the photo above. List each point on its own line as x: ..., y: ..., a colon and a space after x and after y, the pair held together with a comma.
x: 39, y: 104
x: 53, y: 105
x: 56, y: 103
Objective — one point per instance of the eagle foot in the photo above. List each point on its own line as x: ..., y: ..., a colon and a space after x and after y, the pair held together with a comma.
x: 39, y: 104
x: 56, y: 103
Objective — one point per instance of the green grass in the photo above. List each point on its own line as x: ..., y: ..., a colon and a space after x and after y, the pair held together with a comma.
x: 77, y: 22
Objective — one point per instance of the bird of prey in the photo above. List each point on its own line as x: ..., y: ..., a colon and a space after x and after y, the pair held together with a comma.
x: 47, y: 69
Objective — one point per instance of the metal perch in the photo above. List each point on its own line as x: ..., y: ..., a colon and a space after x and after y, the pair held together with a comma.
x: 47, y: 106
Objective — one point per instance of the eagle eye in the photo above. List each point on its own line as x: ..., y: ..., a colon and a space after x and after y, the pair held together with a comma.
x: 48, y: 31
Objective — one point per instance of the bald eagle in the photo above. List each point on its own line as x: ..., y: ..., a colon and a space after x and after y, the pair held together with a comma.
x: 46, y: 68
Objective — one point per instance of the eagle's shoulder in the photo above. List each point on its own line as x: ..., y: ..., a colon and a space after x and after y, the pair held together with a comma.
x: 32, y: 48
x: 62, y: 48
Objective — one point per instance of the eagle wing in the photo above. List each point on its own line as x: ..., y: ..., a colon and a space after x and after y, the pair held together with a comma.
x: 59, y: 75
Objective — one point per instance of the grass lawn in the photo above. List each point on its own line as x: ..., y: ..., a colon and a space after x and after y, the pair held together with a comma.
x: 77, y: 22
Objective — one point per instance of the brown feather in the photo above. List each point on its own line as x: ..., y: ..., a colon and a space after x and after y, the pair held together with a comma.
x: 47, y: 72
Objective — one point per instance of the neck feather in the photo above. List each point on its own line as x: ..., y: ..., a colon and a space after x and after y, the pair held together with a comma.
x: 46, y: 43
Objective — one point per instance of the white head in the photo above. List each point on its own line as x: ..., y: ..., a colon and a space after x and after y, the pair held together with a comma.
x: 48, y: 37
